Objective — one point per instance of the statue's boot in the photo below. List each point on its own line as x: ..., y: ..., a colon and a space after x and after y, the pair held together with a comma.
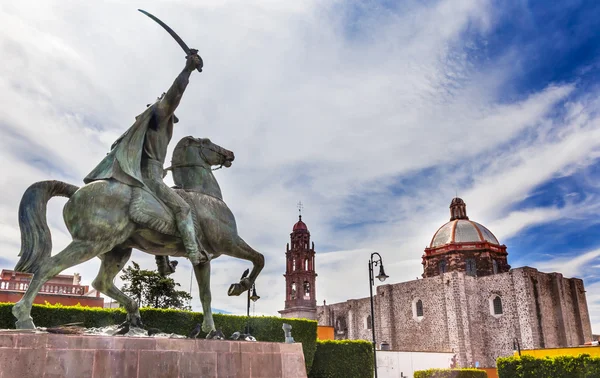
x: 194, y: 248
x: 164, y: 266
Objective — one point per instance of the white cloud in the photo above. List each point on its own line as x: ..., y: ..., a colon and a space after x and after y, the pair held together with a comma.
x: 318, y: 103
x: 571, y: 266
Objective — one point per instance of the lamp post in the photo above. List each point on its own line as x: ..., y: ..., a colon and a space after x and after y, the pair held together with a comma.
x: 381, y: 276
x: 254, y: 297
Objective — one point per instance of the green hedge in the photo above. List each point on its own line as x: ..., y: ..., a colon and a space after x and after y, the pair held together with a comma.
x: 582, y: 366
x: 264, y: 328
x: 450, y: 373
x: 343, y: 358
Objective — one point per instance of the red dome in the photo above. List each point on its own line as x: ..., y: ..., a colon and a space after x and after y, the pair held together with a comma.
x: 300, y: 226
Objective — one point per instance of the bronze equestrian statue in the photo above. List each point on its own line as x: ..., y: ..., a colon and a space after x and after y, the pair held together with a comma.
x: 125, y: 204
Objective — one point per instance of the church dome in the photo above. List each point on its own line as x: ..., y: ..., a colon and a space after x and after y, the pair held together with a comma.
x: 462, y: 245
x: 460, y: 229
x: 300, y: 226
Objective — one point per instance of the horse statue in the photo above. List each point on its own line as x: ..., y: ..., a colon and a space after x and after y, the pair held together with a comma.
x: 107, y: 218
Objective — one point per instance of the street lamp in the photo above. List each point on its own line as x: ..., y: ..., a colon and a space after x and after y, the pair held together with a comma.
x: 381, y: 277
x: 254, y: 297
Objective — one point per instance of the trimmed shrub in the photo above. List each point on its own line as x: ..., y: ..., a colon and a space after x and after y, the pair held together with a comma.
x: 343, y: 358
x: 582, y: 366
x: 264, y: 328
x: 450, y: 373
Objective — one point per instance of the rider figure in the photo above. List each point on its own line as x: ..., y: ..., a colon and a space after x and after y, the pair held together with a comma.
x: 137, y: 158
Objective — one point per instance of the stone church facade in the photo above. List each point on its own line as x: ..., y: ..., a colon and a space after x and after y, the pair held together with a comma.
x: 469, y: 302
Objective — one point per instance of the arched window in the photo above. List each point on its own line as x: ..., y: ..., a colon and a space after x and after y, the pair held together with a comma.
x: 369, y: 322
x: 442, y: 266
x: 293, y: 264
x: 293, y: 292
x: 306, y: 264
x: 419, y: 308
x: 495, y: 266
x: 497, y: 305
x: 471, y: 267
x: 306, y: 290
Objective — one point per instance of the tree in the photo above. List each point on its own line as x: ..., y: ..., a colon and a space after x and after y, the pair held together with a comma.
x: 149, y: 289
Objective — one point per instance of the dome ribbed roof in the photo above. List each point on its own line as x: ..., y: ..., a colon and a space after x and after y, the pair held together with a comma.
x: 460, y: 229
x: 300, y: 226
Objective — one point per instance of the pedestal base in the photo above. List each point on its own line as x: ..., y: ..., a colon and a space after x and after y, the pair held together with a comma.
x: 40, y: 355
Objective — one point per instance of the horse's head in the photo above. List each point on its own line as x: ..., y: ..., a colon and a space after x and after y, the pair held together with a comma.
x: 193, y: 159
x: 213, y: 154
x: 200, y: 152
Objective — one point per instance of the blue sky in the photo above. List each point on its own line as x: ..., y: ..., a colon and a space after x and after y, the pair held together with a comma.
x: 374, y: 114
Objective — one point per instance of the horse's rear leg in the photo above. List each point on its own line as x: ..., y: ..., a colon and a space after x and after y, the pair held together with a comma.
x: 243, y: 251
x: 75, y: 253
x: 112, y: 263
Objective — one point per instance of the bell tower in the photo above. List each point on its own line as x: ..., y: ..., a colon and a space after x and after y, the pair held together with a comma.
x: 300, y: 276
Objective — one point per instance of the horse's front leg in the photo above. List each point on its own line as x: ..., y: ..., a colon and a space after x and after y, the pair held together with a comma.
x: 241, y: 250
x: 202, y: 273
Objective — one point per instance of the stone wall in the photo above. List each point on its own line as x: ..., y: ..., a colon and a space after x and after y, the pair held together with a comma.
x: 398, y: 323
x: 538, y: 309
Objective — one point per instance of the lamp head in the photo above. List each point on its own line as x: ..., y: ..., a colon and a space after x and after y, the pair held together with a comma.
x: 254, y: 297
x: 381, y: 276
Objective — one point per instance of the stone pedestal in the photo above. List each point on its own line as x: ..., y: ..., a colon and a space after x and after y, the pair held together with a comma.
x: 50, y: 355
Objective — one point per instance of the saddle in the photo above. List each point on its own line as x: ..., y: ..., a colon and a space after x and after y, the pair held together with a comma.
x: 149, y: 211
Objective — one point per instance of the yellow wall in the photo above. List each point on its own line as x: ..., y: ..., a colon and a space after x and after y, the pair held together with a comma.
x: 593, y: 351
x: 325, y: 333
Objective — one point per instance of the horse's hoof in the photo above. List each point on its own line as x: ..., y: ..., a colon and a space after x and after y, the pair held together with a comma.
x: 215, y: 335
x: 133, y: 321
x: 137, y: 323
x: 235, y: 289
x: 25, y: 324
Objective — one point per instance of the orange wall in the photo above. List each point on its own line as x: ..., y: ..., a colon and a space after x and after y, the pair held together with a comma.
x: 491, y: 372
x: 325, y: 333
x: 66, y: 300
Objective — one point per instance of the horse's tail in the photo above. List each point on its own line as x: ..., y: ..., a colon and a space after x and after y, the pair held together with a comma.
x: 36, y: 241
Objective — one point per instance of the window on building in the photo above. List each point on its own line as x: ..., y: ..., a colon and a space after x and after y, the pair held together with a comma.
x: 419, y: 308
x: 369, y: 322
x: 306, y: 264
x: 442, y: 265
x: 497, y: 305
x: 471, y: 267
x: 495, y: 266
x: 293, y: 291
x: 293, y: 264
x: 340, y: 325
x: 306, y: 290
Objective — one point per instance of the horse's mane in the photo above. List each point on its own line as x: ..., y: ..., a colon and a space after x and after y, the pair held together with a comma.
x: 178, y: 152
x: 179, y: 157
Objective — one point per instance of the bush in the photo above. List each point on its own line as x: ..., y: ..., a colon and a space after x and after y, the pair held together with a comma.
x: 582, y: 366
x: 450, y: 373
x: 264, y: 328
x: 343, y: 358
